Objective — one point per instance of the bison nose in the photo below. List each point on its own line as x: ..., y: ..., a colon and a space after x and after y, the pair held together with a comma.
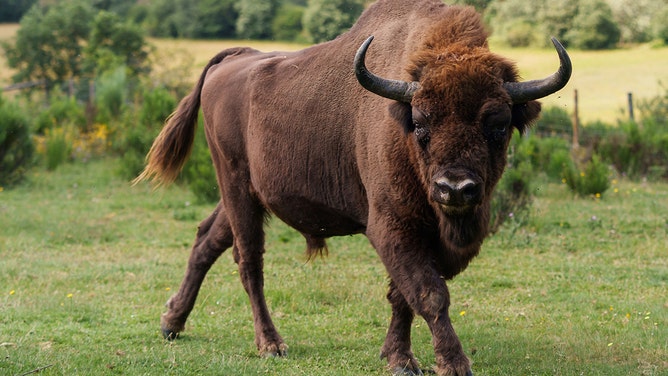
x: 458, y: 193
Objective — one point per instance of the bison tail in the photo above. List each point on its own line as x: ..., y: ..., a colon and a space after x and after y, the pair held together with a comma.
x: 172, y: 147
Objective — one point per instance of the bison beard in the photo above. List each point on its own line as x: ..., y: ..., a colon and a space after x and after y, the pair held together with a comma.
x: 407, y: 151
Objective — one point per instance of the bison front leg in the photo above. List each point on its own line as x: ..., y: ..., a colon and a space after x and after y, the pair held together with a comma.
x: 416, y: 279
x: 214, y: 236
x: 397, y: 346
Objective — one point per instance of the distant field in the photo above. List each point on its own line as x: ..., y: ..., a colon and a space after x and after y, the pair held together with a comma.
x: 602, y: 78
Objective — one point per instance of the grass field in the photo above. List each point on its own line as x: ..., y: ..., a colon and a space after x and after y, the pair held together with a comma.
x: 602, y: 78
x: 88, y: 261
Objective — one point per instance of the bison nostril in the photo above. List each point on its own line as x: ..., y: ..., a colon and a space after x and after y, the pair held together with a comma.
x: 462, y: 193
x: 470, y: 192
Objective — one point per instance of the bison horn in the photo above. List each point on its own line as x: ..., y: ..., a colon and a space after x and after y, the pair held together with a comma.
x: 522, y: 92
x: 401, y: 91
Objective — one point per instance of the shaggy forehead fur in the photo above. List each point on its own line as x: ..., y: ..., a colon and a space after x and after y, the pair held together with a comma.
x: 454, y: 60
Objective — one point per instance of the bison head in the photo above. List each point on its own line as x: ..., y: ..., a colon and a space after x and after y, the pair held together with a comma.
x: 460, y: 111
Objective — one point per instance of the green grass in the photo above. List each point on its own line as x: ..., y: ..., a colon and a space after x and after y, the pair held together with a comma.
x: 87, y: 263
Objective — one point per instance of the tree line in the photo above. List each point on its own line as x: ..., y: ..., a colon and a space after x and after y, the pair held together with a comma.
x: 584, y: 24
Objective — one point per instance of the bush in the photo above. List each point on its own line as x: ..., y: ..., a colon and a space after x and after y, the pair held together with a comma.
x: 512, y: 197
x: 111, y: 94
x: 590, y: 179
x: 58, y: 147
x: 16, y: 147
x: 140, y: 129
x: 61, y: 110
x: 640, y: 149
x: 199, y: 173
x: 554, y: 121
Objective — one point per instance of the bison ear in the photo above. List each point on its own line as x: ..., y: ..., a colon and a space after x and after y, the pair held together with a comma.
x: 525, y: 114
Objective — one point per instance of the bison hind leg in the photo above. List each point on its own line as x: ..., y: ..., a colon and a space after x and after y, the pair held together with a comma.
x: 315, y: 246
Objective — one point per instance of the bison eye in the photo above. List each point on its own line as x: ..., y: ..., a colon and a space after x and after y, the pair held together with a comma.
x: 497, y: 124
x: 420, y: 126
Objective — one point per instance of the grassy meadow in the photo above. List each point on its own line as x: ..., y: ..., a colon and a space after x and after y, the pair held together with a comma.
x: 88, y: 261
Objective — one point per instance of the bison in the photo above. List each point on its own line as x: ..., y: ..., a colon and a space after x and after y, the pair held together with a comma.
x: 406, y: 151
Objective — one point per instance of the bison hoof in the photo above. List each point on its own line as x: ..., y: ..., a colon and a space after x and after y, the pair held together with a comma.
x: 402, y: 371
x: 274, y: 351
x: 169, y: 335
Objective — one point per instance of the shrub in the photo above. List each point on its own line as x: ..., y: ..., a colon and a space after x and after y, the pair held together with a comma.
x: 57, y: 147
x: 590, y: 179
x: 512, y: 197
x: 520, y: 33
x: 637, y: 149
x: 111, y: 94
x: 554, y: 121
x: 140, y: 128
x: 61, y: 110
x: 199, y: 173
x: 16, y: 147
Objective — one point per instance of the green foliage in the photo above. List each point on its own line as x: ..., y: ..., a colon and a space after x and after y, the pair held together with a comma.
x: 660, y: 25
x: 586, y: 24
x: 199, y: 173
x: 593, y: 178
x: 11, y: 11
x: 255, y: 18
x: 512, y: 197
x: 70, y: 42
x: 593, y: 27
x: 216, y: 19
x: 16, y: 147
x: 639, y: 148
x: 58, y: 147
x: 326, y: 19
x: 287, y: 24
x: 50, y: 43
x: 111, y: 91
x: 140, y: 129
x: 554, y: 121
x: 113, y: 43
x: 60, y: 111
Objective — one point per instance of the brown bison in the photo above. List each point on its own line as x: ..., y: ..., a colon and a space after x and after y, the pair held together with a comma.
x: 331, y: 148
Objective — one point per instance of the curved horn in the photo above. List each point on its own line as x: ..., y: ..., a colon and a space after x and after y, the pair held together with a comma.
x: 522, y: 92
x: 393, y: 89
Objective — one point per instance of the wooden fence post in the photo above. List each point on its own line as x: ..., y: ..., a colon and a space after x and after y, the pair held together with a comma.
x: 576, y: 122
x: 630, y: 100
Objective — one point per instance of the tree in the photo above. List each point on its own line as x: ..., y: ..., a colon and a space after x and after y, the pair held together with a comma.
x: 113, y: 42
x: 216, y: 19
x: 326, y: 19
x: 287, y: 24
x: 49, y: 43
x: 13, y: 10
x: 594, y: 27
x: 68, y: 41
x: 255, y: 18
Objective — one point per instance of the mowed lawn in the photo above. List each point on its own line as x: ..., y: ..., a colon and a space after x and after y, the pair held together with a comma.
x: 87, y: 262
